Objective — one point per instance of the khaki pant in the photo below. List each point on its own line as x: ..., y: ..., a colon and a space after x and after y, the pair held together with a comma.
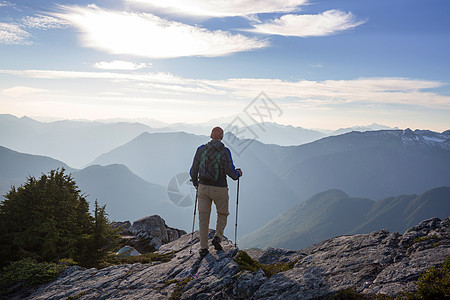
x: 206, y: 195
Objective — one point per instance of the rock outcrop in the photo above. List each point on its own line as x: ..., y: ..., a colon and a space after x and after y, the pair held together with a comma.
x: 375, y: 263
x: 151, y: 231
x: 123, y: 226
x: 155, y: 229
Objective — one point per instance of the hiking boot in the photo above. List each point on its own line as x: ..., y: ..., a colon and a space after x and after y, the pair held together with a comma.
x: 216, y: 243
x: 203, y: 252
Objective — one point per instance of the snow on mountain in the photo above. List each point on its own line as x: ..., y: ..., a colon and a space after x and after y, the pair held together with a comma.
x: 425, y: 137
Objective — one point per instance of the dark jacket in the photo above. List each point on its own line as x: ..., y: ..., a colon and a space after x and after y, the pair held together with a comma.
x: 226, y: 164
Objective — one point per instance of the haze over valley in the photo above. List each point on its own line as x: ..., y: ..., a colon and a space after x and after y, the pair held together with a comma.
x: 130, y: 167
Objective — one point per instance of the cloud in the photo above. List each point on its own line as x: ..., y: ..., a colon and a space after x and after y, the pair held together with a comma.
x: 5, y: 3
x: 326, y: 23
x: 15, y: 34
x: 54, y: 74
x: 20, y: 91
x: 43, y: 22
x: 147, y: 35
x: 328, y: 93
x: 120, y: 65
x: 11, y: 34
x: 221, y: 8
x: 138, y: 83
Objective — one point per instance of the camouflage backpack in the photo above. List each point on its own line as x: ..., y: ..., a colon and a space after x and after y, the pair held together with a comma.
x: 209, y: 169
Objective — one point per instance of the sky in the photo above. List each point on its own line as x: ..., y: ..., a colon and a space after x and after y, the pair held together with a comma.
x: 309, y: 63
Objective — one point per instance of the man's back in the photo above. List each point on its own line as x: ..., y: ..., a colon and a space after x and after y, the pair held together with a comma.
x: 212, y: 163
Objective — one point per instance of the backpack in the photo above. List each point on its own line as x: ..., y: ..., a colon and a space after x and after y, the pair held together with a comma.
x: 209, y: 169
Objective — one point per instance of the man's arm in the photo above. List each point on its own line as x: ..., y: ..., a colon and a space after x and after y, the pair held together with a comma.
x: 195, y: 166
x: 229, y: 168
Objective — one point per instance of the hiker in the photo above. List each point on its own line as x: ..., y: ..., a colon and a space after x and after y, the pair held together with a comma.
x: 212, y: 163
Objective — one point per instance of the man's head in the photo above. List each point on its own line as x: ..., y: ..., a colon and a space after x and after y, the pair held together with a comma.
x: 217, y: 133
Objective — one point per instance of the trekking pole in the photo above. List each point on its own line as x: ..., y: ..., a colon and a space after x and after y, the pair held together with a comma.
x: 193, y: 222
x: 235, y: 225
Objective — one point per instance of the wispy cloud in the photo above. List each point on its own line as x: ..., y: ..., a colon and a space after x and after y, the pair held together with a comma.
x: 330, y: 92
x: 147, y: 35
x: 20, y: 91
x: 5, y: 3
x: 11, y: 34
x: 54, y: 74
x: 15, y: 33
x: 43, y: 22
x: 389, y: 90
x: 326, y: 23
x: 221, y: 8
x: 120, y: 65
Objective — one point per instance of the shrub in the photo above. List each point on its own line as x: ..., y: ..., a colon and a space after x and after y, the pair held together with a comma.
x: 433, y: 284
x: 28, y: 272
x: 48, y: 219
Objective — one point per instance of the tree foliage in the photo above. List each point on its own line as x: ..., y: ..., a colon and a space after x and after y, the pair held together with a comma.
x: 48, y: 219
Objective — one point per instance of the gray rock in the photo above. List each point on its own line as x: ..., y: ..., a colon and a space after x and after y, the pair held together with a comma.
x: 155, y: 229
x: 123, y: 226
x: 275, y: 255
x: 375, y: 263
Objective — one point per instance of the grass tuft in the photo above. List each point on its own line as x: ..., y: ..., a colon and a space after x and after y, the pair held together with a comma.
x: 246, y: 263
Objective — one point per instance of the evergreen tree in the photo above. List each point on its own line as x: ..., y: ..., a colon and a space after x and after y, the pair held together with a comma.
x: 104, y: 236
x: 48, y: 219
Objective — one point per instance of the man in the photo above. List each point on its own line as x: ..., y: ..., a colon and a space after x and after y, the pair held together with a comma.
x: 212, y: 163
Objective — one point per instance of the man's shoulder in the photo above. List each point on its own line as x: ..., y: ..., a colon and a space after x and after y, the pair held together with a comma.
x: 227, y: 151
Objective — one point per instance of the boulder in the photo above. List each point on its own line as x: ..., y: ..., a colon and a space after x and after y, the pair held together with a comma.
x: 154, y: 228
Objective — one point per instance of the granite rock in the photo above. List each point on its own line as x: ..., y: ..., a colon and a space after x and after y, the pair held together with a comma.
x: 376, y: 263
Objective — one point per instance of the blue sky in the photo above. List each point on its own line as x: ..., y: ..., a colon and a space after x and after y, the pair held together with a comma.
x: 326, y: 64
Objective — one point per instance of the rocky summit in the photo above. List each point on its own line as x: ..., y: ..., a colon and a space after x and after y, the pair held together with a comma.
x: 376, y: 263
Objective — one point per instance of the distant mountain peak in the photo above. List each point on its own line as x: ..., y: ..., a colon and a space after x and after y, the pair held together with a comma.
x: 364, y: 128
x: 408, y: 136
x: 336, y: 193
x: 426, y: 137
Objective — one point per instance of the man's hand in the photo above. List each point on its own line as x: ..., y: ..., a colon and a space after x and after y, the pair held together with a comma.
x: 195, y: 185
x: 239, y: 171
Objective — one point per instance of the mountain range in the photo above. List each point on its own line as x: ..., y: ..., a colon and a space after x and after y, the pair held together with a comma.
x: 16, y: 167
x: 74, y: 142
x: 373, y: 164
x: 159, y: 157
x: 79, y: 142
x: 333, y: 213
x: 131, y: 173
x: 371, y: 127
x: 126, y: 195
